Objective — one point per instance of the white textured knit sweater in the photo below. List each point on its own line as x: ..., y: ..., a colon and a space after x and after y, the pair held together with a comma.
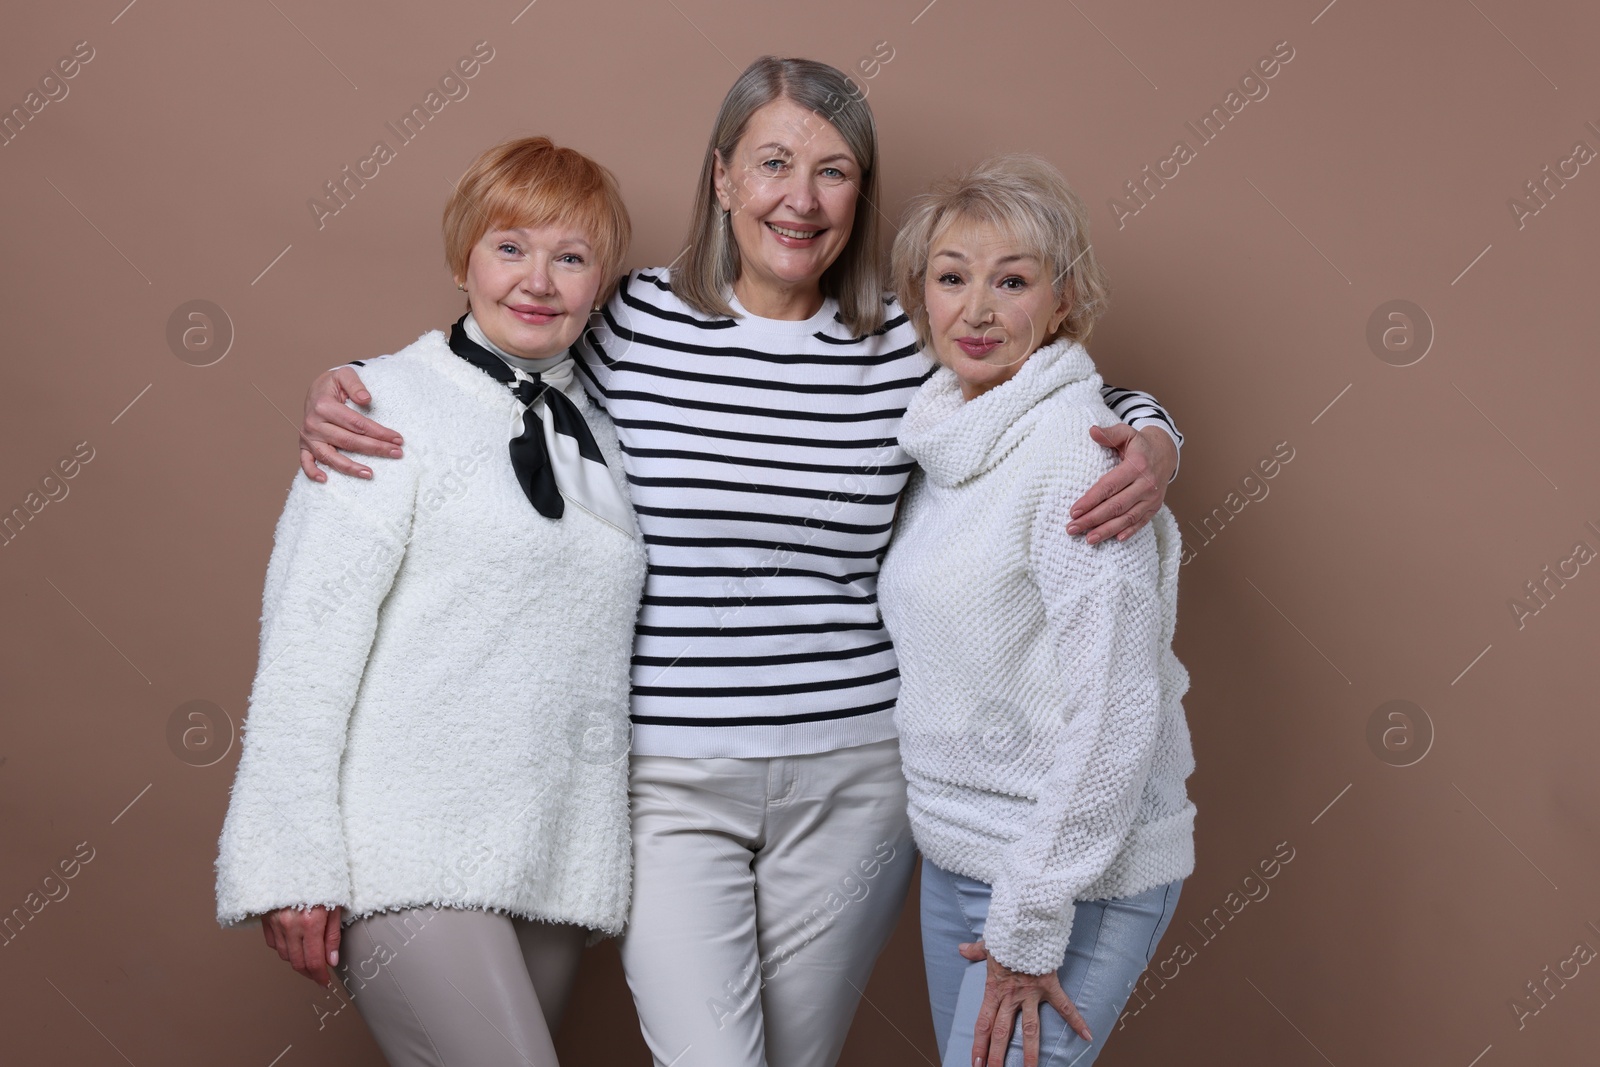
x: 1040, y: 716
x: 440, y: 712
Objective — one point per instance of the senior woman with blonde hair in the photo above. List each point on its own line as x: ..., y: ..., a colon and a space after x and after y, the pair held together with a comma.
x: 1041, y: 729
x: 757, y: 387
x: 435, y: 757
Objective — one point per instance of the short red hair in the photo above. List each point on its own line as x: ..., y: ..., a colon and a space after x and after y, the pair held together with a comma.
x: 530, y: 182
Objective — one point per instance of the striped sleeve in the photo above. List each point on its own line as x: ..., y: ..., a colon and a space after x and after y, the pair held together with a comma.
x: 1140, y: 410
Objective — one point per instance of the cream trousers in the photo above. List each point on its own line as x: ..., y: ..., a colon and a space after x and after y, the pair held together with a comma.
x: 443, y: 987
x: 763, y: 891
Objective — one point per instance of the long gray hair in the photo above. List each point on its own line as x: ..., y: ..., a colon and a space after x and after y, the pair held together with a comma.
x: 711, y: 263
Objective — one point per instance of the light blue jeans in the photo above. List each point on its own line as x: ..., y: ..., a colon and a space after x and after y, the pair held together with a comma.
x: 1112, y: 942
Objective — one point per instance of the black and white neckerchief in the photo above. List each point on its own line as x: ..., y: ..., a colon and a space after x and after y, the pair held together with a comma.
x: 555, y: 457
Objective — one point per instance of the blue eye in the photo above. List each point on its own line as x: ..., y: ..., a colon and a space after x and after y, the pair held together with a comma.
x: 769, y: 164
x: 505, y: 245
x: 572, y: 257
x: 833, y: 172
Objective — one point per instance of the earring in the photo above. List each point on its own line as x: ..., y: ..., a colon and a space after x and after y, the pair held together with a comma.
x: 461, y: 287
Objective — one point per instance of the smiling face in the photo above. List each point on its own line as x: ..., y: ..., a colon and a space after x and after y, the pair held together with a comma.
x: 531, y: 289
x: 791, y: 190
x: 991, y: 303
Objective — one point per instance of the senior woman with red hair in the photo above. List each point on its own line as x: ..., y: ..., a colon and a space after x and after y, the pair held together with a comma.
x: 436, y: 749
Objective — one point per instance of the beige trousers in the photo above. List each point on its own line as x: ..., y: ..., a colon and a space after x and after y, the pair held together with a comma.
x: 764, y: 890
x: 444, y: 986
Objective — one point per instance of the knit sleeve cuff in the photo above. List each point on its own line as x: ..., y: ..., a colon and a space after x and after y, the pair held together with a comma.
x: 1024, y: 940
x: 273, y: 856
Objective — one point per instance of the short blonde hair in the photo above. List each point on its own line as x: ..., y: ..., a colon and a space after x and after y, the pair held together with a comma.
x: 711, y: 262
x: 1030, y: 200
x: 531, y: 182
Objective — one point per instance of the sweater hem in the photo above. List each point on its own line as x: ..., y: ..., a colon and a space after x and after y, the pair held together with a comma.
x: 1153, y: 854
x: 759, y: 742
x: 610, y: 928
x: 235, y: 917
x: 599, y: 929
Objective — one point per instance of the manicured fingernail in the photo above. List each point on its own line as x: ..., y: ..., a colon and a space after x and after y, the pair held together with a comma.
x: 333, y: 957
x: 364, y: 396
x: 394, y: 452
x: 1093, y: 538
x: 364, y: 473
x: 1074, y: 528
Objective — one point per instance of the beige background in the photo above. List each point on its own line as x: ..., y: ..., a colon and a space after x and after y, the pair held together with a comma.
x: 1420, y: 899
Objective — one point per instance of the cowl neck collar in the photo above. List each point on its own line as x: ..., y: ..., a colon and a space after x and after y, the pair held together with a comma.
x: 955, y: 440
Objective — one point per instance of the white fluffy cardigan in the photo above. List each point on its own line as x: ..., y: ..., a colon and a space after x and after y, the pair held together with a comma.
x: 440, y: 714
x: 1040, y: 716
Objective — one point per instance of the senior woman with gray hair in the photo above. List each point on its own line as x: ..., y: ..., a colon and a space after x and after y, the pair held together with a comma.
x: 1041, y: 728
x: 757, y: 387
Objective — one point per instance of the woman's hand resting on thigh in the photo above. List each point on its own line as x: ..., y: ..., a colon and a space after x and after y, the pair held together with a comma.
x: 307, y: 940
x: 1008, y: 993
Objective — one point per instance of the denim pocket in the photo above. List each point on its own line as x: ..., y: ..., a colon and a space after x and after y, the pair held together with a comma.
x: 972, y: 897
x: 1169, y: 904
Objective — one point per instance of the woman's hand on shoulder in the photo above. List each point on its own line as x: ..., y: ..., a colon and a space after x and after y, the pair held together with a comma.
x: 329, y: 425
x: 308, y: 940
x: 1130, y: 494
